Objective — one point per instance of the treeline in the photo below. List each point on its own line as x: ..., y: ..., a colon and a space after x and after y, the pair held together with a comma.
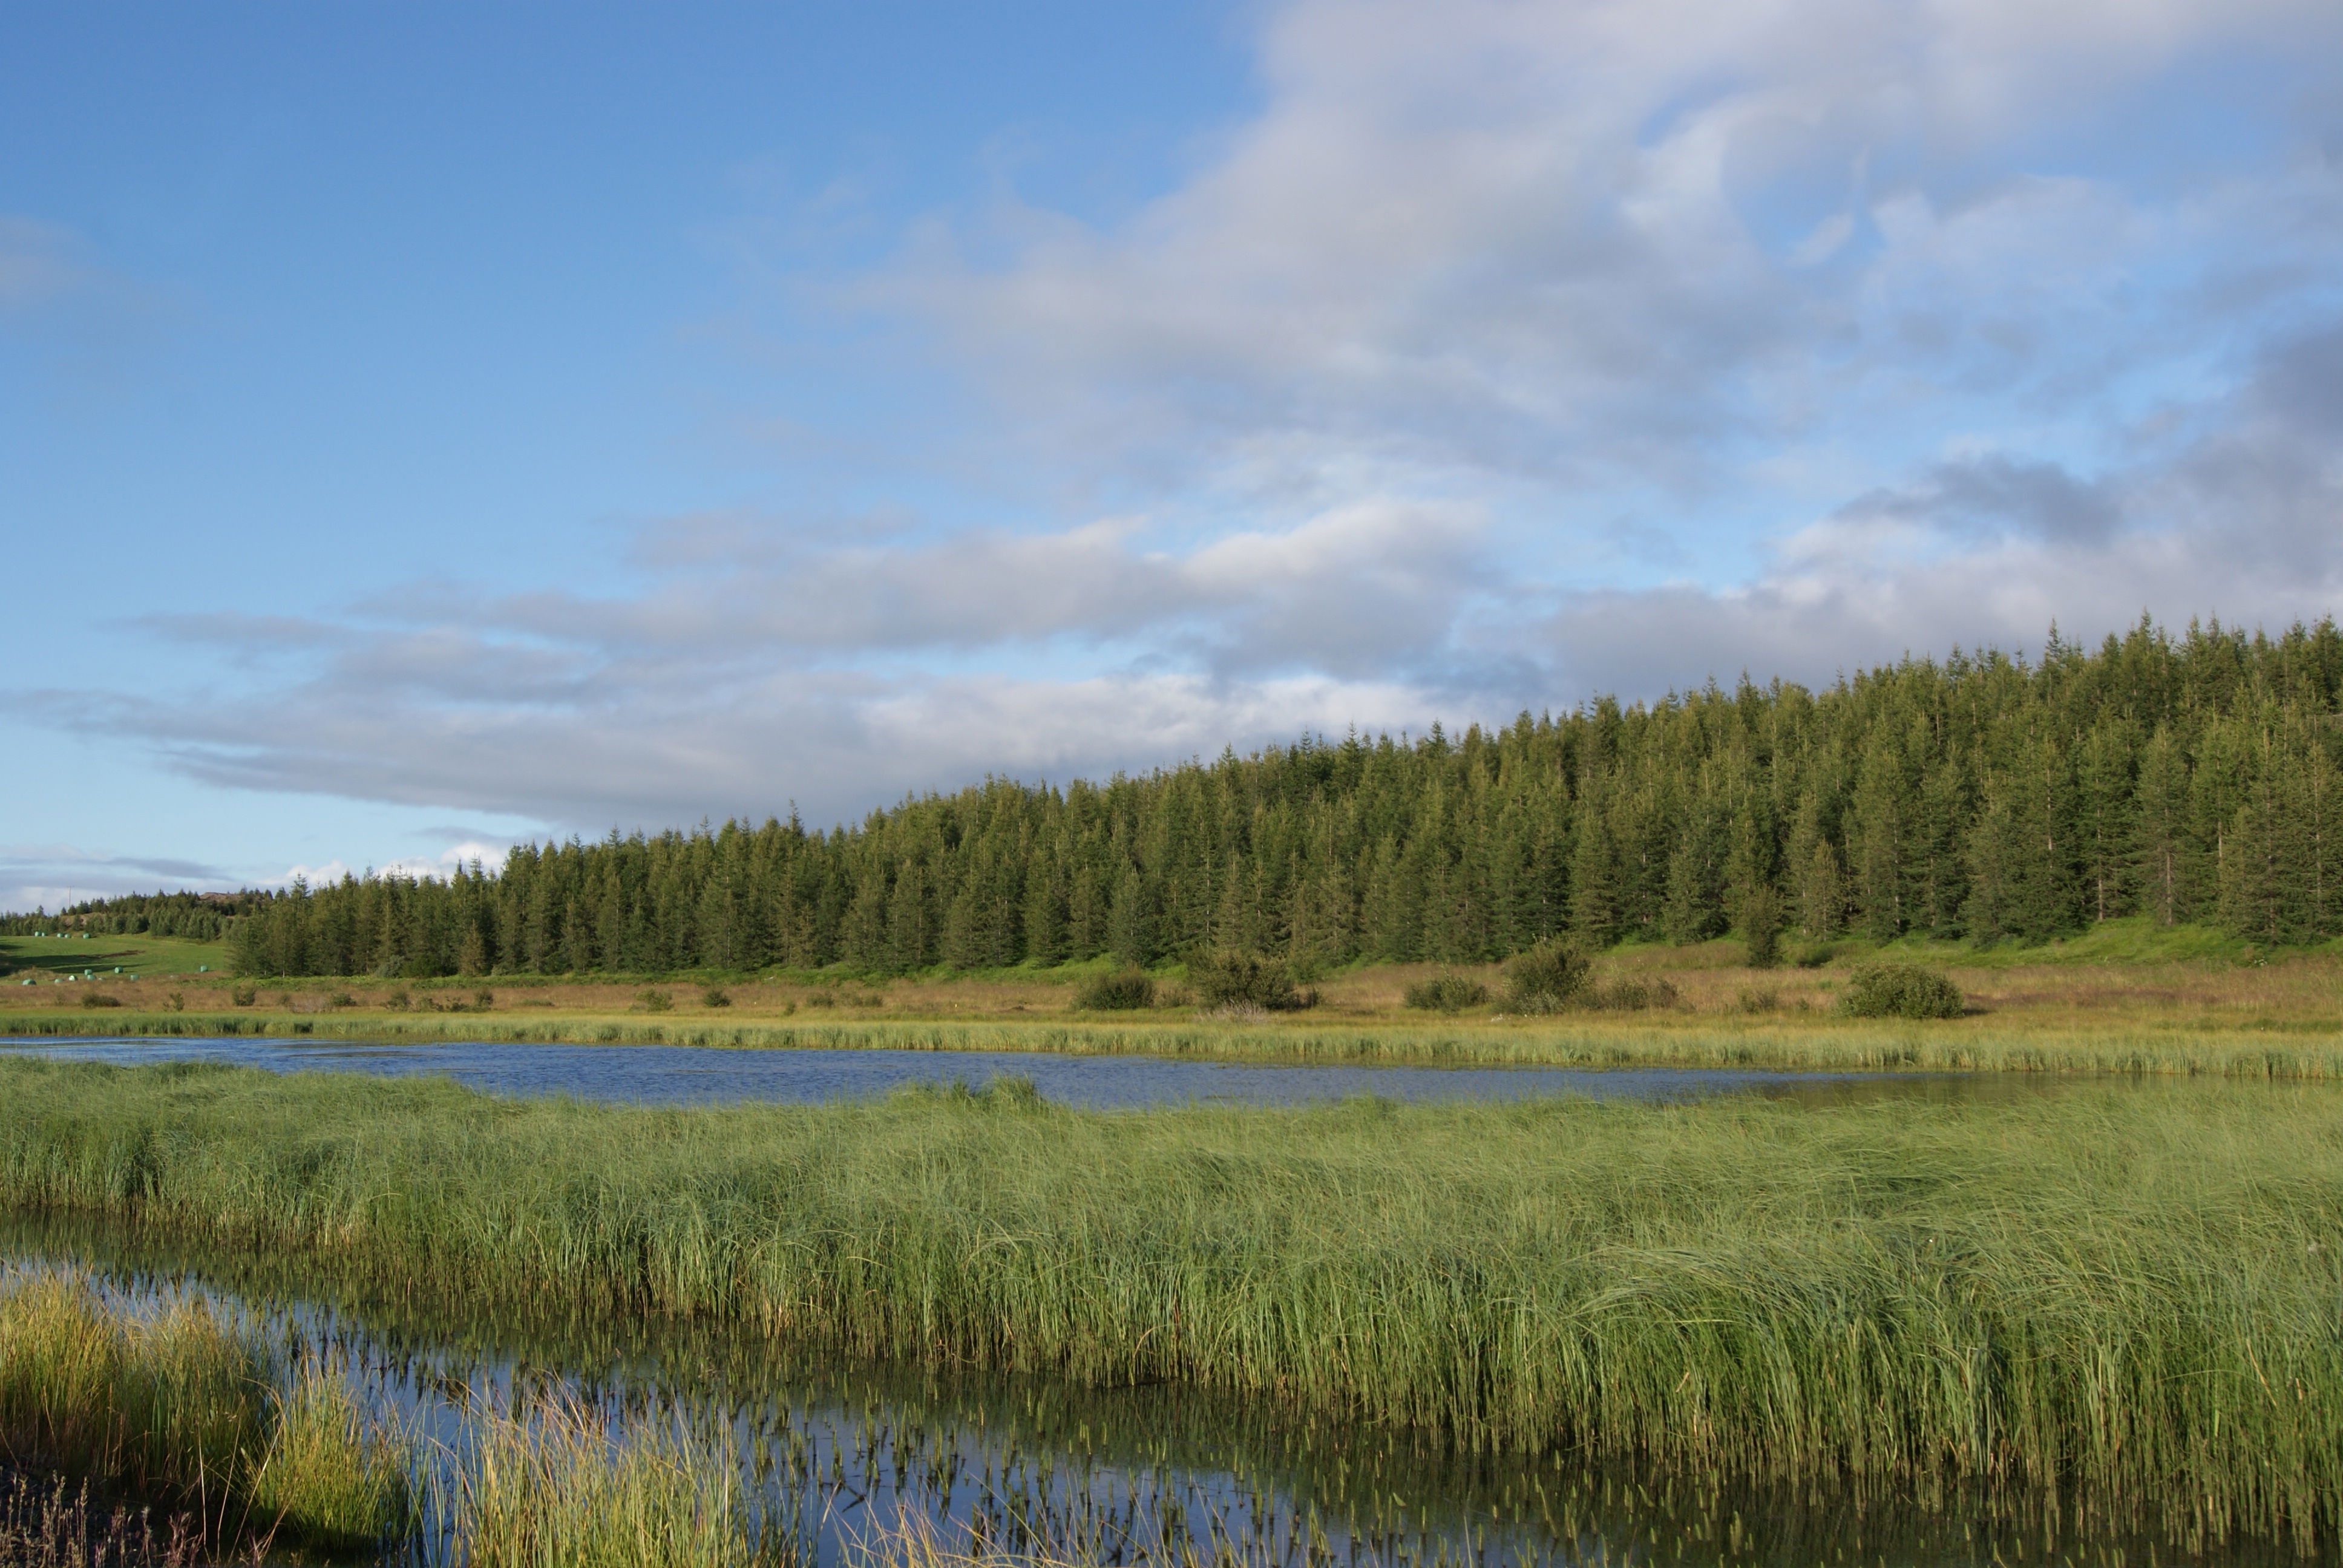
x: 198, y: 917
x: 2189, y: 779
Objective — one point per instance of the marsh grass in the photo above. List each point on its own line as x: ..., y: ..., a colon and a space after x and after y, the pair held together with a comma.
x: 185, y: 1407
x: 2120, y: 1295
x: 1798, y: 1033
x: 50, y: 1523
x: 559, y: 1486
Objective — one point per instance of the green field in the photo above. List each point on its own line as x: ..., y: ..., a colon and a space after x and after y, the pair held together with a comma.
x: 43, y: 958
x: 2125, y: 1291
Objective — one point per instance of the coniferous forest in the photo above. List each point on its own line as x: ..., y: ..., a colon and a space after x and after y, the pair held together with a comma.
x: 2188, y: 777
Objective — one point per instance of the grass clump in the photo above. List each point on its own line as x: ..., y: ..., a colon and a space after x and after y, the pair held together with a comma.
x: 1547, y: 978
x: 1126, y: 990
x: 96, y: 998
x: 328, y: 1468
x: 184, y: 1407
x: 1900, y: 990
x: 558, y: 1485
x: 1446, y: 993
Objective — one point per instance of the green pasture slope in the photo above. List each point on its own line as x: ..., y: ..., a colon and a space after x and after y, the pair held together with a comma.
x: 40, y: 959
x: 2125, y: 1291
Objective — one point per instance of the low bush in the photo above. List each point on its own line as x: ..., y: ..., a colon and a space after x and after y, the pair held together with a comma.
x: 655, y: 1000
x: 245, y: 995
x: 1547, y: 978
x: 1447, y: 993
x: 99, y: 998
x: 1231, y: 978
x: 1629, y: 995
x: 1122, y: 992
x: 713, y: 996
x: 1900, y: 990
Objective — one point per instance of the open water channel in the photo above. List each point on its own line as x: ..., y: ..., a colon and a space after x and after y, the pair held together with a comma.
x: 704, y: 1075
x: 840, y: 1453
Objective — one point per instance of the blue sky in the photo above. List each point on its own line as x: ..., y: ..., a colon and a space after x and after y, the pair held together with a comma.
x: 423, y: 427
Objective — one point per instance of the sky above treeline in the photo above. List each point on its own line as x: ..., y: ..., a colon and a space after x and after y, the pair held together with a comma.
x: 427, y: 426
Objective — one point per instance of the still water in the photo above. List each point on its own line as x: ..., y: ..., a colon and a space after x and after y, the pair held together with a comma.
x: 703, y: 1075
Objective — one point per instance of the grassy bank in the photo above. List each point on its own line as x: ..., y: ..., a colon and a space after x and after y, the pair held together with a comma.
x: 2124, y: 1292
x: 1798, y: 1043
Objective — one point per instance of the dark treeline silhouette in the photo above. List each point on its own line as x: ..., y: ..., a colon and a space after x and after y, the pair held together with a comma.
x: 2188, y: 778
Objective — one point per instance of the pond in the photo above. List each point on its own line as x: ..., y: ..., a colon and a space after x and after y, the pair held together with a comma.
x: 837, y: 1454
x: 704, y: 1075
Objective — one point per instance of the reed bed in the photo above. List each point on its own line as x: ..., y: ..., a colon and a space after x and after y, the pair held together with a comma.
x: 559, y: 1487
x: 187, y: 1407
x: 2130, y: 1293
x: 2307, y: 1050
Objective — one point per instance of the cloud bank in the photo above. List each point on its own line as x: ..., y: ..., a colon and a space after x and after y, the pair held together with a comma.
x: 1512, y: 353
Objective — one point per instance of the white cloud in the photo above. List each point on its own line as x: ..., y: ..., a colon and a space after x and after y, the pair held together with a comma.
x: 1875, y: 327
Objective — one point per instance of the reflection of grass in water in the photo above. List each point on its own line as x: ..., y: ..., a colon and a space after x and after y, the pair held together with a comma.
x: 187, y: 1407
x: 2121, y: 1293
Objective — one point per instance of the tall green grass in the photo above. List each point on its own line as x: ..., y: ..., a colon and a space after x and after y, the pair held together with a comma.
x: 1768, y: 1042
x: 188, y: 1407
x: 557, y: 1488
x: 2127, y: 1295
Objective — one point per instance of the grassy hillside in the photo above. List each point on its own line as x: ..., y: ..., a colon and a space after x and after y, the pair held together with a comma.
x: 43, y: 958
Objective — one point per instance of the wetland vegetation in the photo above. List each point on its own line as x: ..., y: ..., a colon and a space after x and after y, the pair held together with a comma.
x: 2120, y: 1296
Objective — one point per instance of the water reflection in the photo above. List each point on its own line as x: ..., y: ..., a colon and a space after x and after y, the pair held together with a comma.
x: 838, y: 1454
x: 702, y: 1075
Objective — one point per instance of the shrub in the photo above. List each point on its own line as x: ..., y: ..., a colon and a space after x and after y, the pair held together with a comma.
x: 1630, y: 995
x: 483, y: 1000
x: 99, y: 998
x: 713, y: 996
x: 1547, y: 978
x: 655, y: 1000
x: 1121, y: 993
x: 245, y: 995
x: 1229, y: 979
x: 822, y: 998
x: 341, y: 999
x: 1447, y: 993
x: 1900, y: 990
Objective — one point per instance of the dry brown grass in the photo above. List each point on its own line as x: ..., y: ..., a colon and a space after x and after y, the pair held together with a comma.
x: 2045, y: 994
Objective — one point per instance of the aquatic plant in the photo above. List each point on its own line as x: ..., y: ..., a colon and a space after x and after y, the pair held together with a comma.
x: 558, y: 1486
x: 188, y: 1407
x: 2115, y: 1291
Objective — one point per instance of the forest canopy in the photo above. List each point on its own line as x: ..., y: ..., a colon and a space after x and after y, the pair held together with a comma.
x: 1981, y: 798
